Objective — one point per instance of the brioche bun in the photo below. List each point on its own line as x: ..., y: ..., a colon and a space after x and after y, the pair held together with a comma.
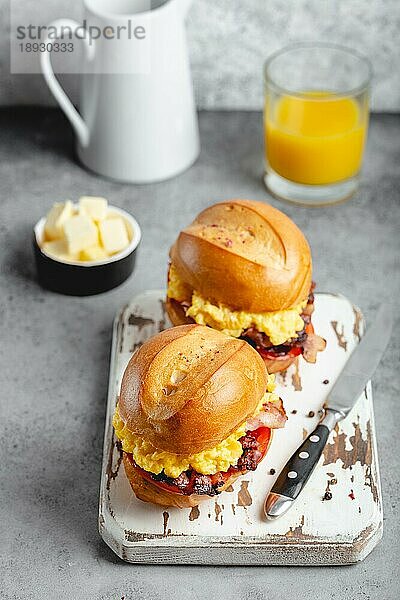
x: 185, y: 390
x: 188, y: 388
x: 246, y: 255
x: 279, y: 364
x: 177, y: 315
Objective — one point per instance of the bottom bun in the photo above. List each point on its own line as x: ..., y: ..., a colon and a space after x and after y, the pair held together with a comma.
x: 277, y: 365
x: 177, y: 316
x: 177, y: 313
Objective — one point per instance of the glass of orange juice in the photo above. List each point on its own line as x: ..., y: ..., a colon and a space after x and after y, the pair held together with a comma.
x: 315, y: 122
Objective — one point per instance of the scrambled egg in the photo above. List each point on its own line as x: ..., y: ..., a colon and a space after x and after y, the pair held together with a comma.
x: 208, y: 462
x: 177, y: 289
x: 279, y: 326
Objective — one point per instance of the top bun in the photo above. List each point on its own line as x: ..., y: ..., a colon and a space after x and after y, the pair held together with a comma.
x: 245, y: 254
x: 188, y: 388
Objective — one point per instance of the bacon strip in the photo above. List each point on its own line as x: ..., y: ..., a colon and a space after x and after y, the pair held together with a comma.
x: 313, y: 344
x: 273, y: 416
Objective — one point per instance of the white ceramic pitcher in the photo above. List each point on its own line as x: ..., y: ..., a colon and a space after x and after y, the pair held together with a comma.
x: 137, y: 121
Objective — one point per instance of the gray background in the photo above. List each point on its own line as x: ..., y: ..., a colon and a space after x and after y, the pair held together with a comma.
x: 54, y: 356
x: 54, y: 350
x: 230, y: 39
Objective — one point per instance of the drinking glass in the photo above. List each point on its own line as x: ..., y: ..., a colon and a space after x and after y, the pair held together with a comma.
x: 315, y: 122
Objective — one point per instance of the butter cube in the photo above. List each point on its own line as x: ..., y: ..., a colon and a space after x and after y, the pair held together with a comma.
x: 113, y: 234
x: 93, y: 207
x: 81, y: 233
x: 55, y: 220
x: 93, y: 253
x: 58, y: 249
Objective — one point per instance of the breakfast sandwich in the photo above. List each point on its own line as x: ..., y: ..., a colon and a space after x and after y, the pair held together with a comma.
x: 195, y: 412
x: 244, y: 268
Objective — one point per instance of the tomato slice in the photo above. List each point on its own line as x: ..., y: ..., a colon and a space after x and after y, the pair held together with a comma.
x: 262, y: 435
x: 309, y: 328
x: 295, y: 351
x: 149, y: 477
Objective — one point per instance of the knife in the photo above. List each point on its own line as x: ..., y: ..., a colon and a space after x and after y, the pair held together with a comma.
x: 347, y: 389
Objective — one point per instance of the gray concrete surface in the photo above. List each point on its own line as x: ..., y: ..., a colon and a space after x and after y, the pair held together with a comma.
x: 54, y: 360
x: 229, y: 41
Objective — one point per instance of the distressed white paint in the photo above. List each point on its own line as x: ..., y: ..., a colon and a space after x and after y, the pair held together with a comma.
x: 339, y: 531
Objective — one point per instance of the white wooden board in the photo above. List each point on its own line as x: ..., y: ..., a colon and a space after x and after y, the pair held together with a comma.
x: 230, y: 529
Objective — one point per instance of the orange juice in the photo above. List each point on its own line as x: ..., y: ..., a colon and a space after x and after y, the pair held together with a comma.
x: 316, y: 138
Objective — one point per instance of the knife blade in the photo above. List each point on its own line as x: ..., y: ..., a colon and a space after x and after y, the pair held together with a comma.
x: 351, y: 382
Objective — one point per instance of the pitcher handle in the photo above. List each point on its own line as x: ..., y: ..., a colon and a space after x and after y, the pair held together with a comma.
x: 79, y: 125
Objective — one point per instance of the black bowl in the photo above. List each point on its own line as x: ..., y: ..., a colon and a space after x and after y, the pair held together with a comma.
x: 86, y: 278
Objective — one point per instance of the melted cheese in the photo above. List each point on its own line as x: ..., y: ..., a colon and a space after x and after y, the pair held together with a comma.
x: 208, y: 462
x: 279, y: 326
